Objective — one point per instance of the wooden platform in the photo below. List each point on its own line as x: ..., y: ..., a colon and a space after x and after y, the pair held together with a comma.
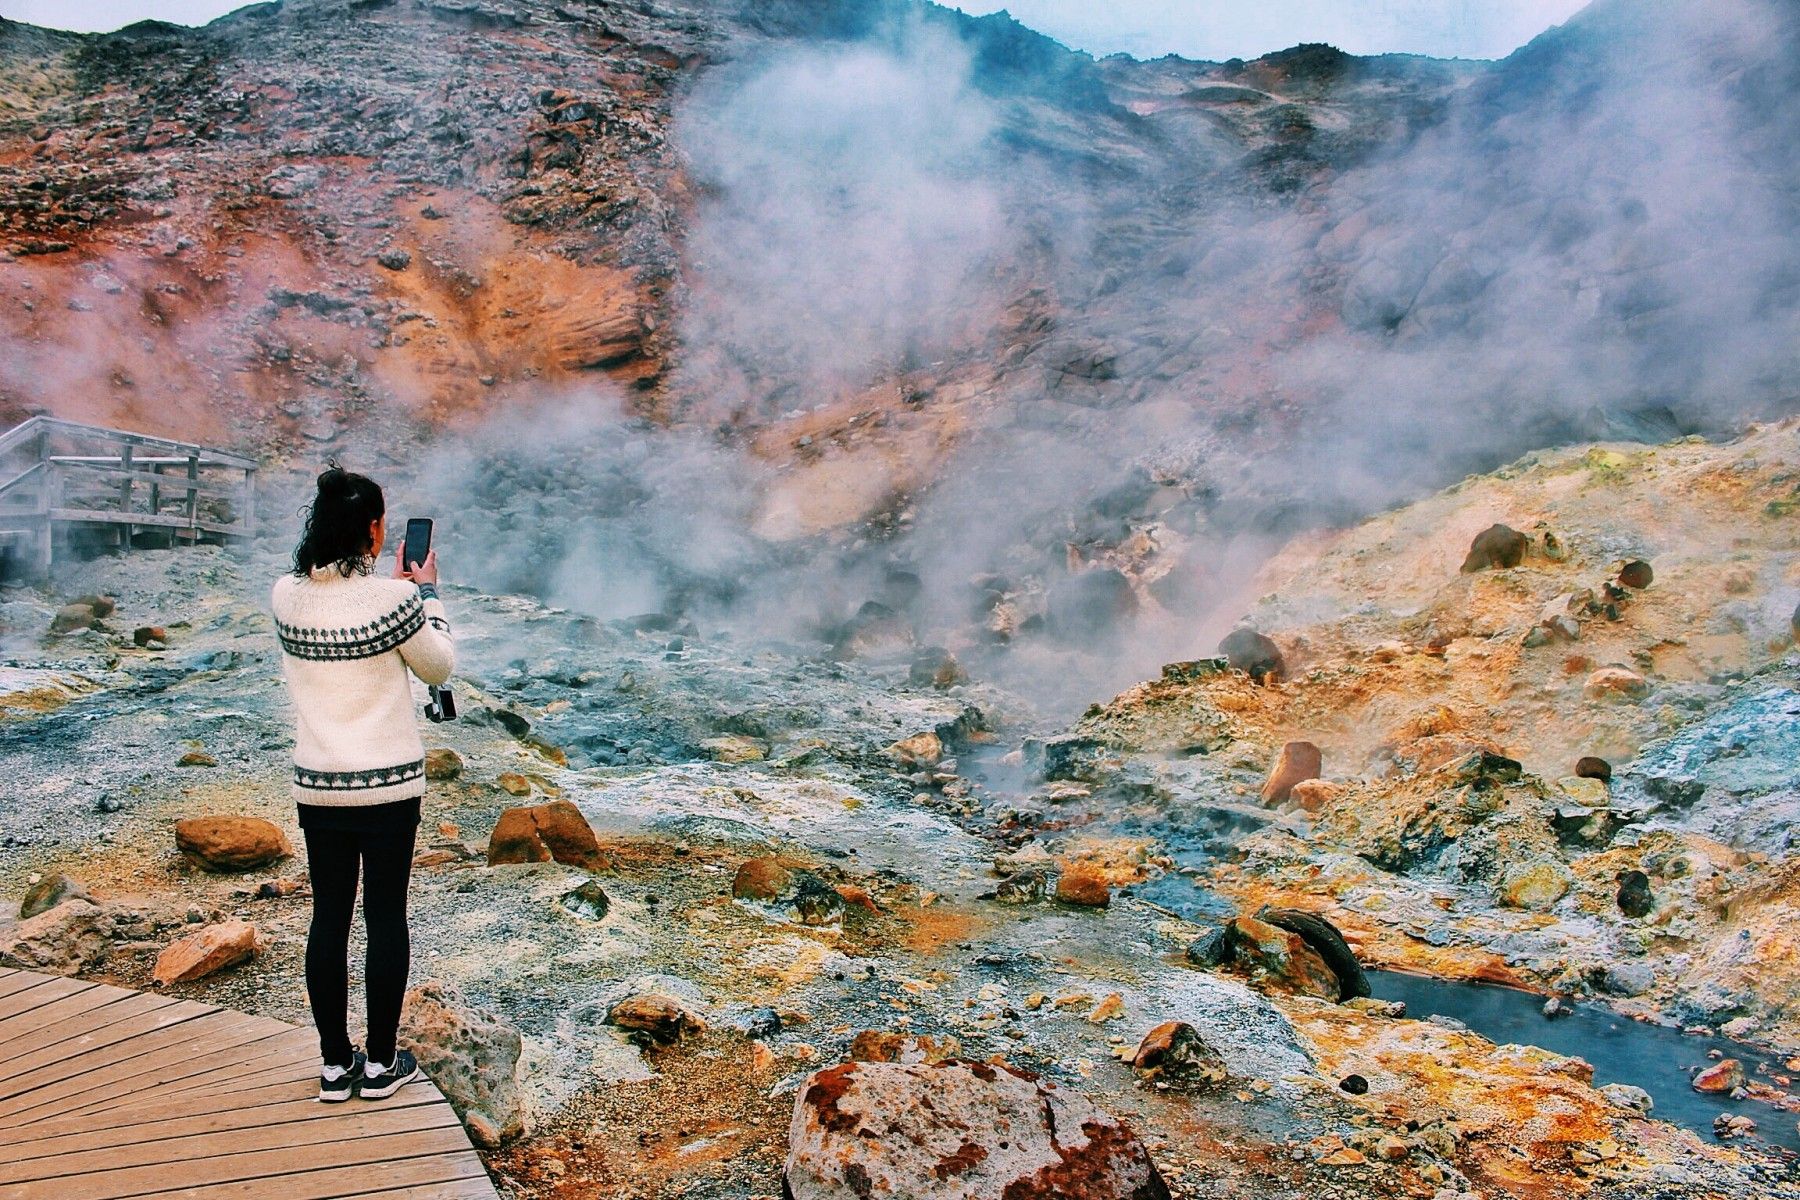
x: 107, y: 1093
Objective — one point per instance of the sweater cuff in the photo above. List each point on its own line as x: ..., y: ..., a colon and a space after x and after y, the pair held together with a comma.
x: 428, y: 591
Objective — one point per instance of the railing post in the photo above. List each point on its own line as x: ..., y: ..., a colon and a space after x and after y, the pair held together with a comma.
x: 125, y: 499
x: 193, y: 500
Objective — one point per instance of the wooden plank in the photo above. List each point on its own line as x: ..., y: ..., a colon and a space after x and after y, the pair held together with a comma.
x: 102, y: 516
x: 18, y: 981
x: 149, y: 1062
x: 23, y: 1071
x: 52, y: 988
x: 267, y: 1090
x: 371, y: 1121
x: 453, y: 1176
x: 72, y: 1017
x: 182, y: 1179
x: 129, y: 1127
x: 102, y: 433
x: 169, y: 483
x: 245, y: 1066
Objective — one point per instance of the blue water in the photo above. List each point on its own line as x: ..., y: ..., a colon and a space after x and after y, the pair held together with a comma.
x: 1653, y: 1057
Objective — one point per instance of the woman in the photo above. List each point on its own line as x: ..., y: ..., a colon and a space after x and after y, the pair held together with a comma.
x: 349, y: 641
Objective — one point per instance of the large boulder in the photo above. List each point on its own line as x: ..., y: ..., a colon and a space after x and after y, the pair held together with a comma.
x: 1253, y: 653
x: 74, y: 936
x: 1280, y: 958
x: 228, y: 843
x: 544, y: 833
x: 1495, y: 546
x: 962, y: 1130
x: 471, y: 1056
x: 208, y: 950
x: 1325, y: 941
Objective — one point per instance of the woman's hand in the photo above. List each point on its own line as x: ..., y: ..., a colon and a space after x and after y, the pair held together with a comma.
x: 425, y: 572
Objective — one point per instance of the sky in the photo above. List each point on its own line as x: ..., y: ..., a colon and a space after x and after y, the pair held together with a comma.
x: 1210, y: 29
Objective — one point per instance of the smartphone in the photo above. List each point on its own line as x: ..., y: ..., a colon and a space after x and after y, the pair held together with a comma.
x: 418, y: 542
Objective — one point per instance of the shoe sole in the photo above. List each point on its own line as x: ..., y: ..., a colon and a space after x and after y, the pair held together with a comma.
x: 388, y: 1089
x: 326, y: 1097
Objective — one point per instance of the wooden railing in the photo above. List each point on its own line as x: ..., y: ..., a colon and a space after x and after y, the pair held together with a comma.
x: 60, y: 480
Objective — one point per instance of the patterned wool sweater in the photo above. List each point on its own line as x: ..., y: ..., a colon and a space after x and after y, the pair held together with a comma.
x: 347, y: 647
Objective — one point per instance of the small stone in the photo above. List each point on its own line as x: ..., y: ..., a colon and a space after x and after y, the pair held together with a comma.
x: 1083, y: 885
x: 919, y: 750
x: 1635, y: 899
x: 1591, y: 767
x: 72, y: 618
x: 1723, y: 1076
x: 1255, y: 654
x: 1315, y: 795
x: 762, y: 879
x: 1535, y: 885
x: 150, y: 636
x: 1344, y: 1157
x: 1176, y: 1048
x: 394, y: 260
x: 1495, y: 546
x: 659, y: 1018
x: 196, y: 758
x: 1624, y: 1095
x: 1615, y: 683
x: 1392, y: 1149
x: 1026, y: 886
x: 1636, y: 574
x: 200, y: 954
x: 1296, y: 761
x: 735, y: 748
x: 443, y: 765
x: 49, y: 892
x: 276, y: 889
x: 1109, y: 1009
x: 877, y: 1045
x: 103, y: 606
x: 935, y: 667
x: 816, y: 902
x: 231, y: 843
x: 587, y: 900
x: 1355, y: 1085
x: 514, y: 784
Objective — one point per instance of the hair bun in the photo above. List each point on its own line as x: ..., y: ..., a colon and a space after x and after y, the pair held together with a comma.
x: 334, y: 480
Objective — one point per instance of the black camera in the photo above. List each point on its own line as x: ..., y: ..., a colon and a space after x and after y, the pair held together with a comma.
x: 443, y: 704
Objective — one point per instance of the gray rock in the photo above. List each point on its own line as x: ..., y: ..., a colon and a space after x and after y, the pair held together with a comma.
x: 75, y: 936
x: 49, y: 892
x: 1623, y: 1095
x: 471, y: 1056
x: 1629, y: 979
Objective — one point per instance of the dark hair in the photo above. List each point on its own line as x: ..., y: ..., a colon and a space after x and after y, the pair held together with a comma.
x: 337, y: 523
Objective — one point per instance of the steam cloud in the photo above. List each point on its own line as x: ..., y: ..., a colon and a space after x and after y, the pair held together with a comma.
x: 1182, y: 360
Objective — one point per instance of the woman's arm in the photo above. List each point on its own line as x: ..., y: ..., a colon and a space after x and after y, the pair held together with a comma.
x: 430, y: 653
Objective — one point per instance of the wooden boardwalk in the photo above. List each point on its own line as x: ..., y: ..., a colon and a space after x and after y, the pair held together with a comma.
x: 107, y: 1093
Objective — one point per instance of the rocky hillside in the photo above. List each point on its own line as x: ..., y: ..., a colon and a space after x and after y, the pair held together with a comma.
x: 938, y: 294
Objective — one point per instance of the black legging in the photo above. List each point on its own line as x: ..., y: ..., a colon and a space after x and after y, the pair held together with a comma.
x: 386, y: 858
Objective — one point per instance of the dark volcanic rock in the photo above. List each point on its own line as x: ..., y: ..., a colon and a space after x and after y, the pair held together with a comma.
x: 1324, y: 938
x: 1591, y: 767
x: 1254, y: 654
x: 1635, y: 899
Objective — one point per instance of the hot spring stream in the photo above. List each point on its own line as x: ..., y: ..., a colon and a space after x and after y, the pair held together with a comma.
x: 1653, y: 1057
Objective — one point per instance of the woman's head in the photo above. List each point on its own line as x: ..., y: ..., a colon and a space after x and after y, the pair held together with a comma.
x: 343, y: 524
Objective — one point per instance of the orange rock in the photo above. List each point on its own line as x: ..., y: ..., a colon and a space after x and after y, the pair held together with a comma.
x: 761, y: 879
x: 1723, y: 1076
x: 1281, y: 958
x: 1618, y: 683
x: 857, y: 896
x: 1082, y: 884
x: 880, y: 1045
x: 1175, y: 1047
x: 545, y: 832
x: 200, y: 954
x: 1296, y: 762
x: 514, y: 784
x: 661, y: 1018
x: 1315, y: 795
x: 231, y: 843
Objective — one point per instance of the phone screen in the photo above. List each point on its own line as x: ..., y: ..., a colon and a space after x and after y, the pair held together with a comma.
x: 418, y: 541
